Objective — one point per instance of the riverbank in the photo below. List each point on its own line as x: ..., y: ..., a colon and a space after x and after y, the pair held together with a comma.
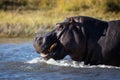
x: 28, y: 23
x: 16, y: 40
x: 25, y: 18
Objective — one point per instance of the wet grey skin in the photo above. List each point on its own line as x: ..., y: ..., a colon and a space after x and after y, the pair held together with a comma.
x: 83, y: 38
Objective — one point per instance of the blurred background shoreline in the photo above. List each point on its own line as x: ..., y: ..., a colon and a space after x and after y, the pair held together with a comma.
x: 25, y: 18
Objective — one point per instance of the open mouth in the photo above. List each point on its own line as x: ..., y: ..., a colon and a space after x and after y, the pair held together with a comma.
x: 43, y: 55
x: 46, y: 52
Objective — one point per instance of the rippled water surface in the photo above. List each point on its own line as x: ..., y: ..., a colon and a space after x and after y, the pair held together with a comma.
x: 19, y: 61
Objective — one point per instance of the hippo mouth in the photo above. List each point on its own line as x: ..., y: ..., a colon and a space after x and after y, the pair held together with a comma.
x: 49, y: 51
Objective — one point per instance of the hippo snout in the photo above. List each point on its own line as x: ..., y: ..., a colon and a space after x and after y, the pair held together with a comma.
x: 38, y: 41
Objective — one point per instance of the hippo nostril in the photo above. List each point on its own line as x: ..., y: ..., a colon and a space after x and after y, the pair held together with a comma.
x: 40, y: 38
x: 35, y: 38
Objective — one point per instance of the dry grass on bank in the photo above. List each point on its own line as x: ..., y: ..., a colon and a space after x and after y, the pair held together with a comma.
x: 27, y: 23
x: 41, y: 15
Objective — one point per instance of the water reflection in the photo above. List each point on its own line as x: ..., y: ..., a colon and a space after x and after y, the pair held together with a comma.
x: 19, y: 61
x: 15, y: 40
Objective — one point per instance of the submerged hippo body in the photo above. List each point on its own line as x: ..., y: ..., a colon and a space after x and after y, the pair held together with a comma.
x: 83, y: 39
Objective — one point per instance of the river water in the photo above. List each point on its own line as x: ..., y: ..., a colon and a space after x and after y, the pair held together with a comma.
x: 19, y: 61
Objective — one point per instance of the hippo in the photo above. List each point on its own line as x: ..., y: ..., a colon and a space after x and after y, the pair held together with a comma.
x: 83, y: 38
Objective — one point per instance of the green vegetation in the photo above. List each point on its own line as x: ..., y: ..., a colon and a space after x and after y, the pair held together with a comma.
x: 26, y: 17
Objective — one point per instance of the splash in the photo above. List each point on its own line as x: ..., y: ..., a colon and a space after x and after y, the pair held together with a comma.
x: 67, y: 63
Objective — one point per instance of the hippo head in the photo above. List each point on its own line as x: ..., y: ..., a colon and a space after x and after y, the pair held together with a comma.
x: 49, y: 46
x: 63, y: 40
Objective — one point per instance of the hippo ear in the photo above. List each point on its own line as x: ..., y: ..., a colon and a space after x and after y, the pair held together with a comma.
x: 71, y: 20
x: 58, y: 24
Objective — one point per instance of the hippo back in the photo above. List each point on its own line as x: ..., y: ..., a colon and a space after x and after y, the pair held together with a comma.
x: 110, y: 43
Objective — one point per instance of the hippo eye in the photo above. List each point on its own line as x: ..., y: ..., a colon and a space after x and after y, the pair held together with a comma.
x: 60, y: 28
